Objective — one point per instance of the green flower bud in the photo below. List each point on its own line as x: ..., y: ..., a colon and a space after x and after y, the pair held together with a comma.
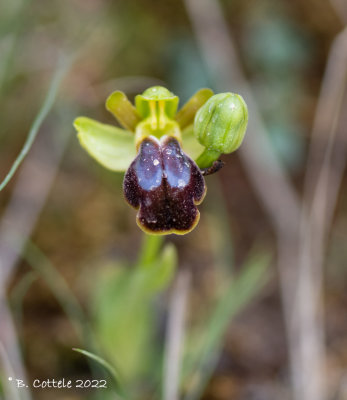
x: 220, y: 126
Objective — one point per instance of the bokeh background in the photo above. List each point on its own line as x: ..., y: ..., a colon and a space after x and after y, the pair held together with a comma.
x: 65, y: 227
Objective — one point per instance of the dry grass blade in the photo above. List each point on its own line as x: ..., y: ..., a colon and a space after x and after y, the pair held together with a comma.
x: 10, y: 357
x: 326, y: 163
x: 327, y: 114
x: 7, y: 372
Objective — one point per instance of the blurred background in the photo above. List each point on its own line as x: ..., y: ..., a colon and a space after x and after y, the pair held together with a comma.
x: 264, y: 273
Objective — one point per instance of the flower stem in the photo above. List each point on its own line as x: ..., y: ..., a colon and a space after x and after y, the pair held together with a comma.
x: 207, y: 158
x: 149, y: 249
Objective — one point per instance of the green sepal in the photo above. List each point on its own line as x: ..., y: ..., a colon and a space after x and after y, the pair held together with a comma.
x: 112, y: 147
x: 156, y: 93
x: 190, y: 145
x: 119, y: 105
x: 186, y: 114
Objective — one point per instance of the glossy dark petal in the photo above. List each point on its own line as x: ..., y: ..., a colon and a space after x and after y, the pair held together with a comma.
x: 148, y: 167
x: 165, y: 185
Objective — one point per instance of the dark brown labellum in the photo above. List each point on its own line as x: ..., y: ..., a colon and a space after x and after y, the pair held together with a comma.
x: 165, y: 185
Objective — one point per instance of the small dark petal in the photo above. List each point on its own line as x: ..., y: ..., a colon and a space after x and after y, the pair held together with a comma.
x: 166, y: 185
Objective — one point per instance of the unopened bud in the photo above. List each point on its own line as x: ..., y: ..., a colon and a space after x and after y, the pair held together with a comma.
x: 220, y: 125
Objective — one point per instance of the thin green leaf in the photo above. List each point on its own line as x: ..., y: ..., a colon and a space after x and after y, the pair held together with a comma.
x: 119, y: 105
x: 112, y: 371
x: 48, y: 103
x: 190, y: 144
x: 186, y: 114
x: 112, y: 147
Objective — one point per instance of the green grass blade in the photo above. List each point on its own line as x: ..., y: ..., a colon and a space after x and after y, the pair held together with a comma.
x: 109, y: 368
x: 47, y: 105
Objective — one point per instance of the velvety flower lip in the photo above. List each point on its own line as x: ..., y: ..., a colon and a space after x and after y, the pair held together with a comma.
x: 165, y: 185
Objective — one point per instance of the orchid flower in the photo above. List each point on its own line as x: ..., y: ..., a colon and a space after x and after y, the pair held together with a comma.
x: 164, y: 153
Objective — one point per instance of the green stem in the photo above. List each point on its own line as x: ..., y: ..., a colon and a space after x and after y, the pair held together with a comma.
x: 207, y: 158
x: 149, y: 249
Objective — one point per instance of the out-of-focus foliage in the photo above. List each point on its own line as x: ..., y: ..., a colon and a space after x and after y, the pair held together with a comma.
x: 125, y: 317
x: 87, y: 276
